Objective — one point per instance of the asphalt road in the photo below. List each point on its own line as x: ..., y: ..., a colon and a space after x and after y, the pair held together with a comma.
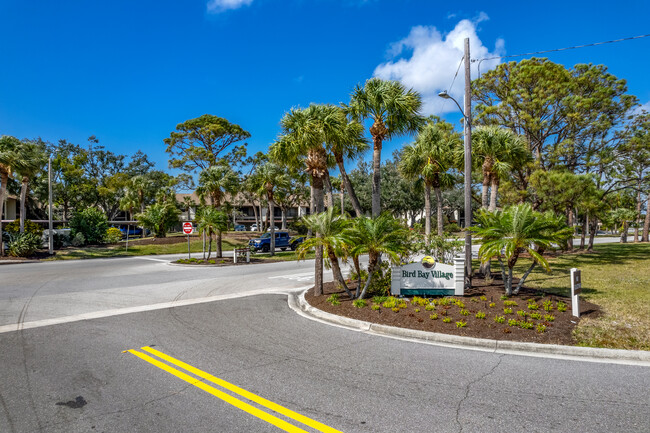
x: 59, y: 373
x: 75, y: 378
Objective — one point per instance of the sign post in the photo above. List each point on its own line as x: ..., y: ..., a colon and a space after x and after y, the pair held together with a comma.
x: 576, y: 288
x: 187, y: 229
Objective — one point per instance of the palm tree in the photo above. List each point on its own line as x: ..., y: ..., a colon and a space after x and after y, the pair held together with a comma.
x: 212, y: 221
x: 393, y: 111
x: 301, y: 146
x: 329, y: 228
x: 8, y: 154
x: 269, y: 176
x: 30, y: 160
x: 501, y: 150
x: 376, y: 236
x: 347, y: 143
x: 159, y: 217
x: 507, y: 233
x: 215, y: 182
x: 430, y: 157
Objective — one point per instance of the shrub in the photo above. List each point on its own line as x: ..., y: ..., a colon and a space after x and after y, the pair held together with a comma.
x: 78, y: 240
x: 359, y: 303
x: 91, y: 223
x: 375, y: 307
x: 334, y: 299
x: 23, y: 244
x: 61, y: 240
x: 480, y: 315
x: 159, y: 218
x: 113, y: 236
x: 30, y: 227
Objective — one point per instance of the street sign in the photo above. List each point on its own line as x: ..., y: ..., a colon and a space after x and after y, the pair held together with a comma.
x: 187, y: 228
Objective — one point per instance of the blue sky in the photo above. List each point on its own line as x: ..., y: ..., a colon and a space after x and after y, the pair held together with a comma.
x: 129, y: 71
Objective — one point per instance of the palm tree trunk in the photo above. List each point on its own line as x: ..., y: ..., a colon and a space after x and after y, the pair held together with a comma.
x: 284, y: 218
x: 365, y: 288
x: 493, y: 193
x: 329, y: 196
x: 3, y: 190
x: 209, y: 245
x: 624, y: 232
x: 439, y: 210
x: 427, y: 211
x: 646, y: 222
x: 23, y: 203
x: 349, y: 188
x: 357, y: 267
x: 373, y: 262
x: 317, y: 201
x: 257, y: 220
x: 272, y: 226
x: 637, y: 218
x: 342, y: 197
x: 484, y: 190
x: 376, y: 176
x: 521, y: 282
x: 219, y: 246
x: 336, y: 270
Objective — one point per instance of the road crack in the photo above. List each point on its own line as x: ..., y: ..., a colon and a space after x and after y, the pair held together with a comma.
x: 468, y: 387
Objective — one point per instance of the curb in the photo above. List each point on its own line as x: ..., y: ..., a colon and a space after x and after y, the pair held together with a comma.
x: 590, y: 354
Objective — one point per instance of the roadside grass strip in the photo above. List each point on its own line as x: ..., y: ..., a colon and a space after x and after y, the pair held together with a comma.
x: 271, y: 419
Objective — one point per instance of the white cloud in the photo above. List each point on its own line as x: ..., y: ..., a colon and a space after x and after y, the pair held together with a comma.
x: 427, y: 60
x: 217, y: 6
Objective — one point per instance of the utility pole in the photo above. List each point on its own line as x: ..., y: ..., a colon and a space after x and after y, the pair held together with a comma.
x: 49, y: 188
x: 468, y: 167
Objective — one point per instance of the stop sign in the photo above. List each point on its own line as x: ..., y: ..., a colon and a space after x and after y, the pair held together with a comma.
x: 187, y: 228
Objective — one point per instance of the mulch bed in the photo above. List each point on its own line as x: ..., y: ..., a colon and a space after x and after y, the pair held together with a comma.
x: 479, y: 298
x: 224, y: 261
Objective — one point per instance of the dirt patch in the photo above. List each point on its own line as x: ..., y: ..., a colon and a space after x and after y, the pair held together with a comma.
x: 484, y: 298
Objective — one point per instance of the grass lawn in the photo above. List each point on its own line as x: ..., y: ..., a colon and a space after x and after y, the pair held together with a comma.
x: 617, y: 278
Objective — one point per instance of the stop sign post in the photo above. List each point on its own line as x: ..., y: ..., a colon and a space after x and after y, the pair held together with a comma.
x: 187, y: 229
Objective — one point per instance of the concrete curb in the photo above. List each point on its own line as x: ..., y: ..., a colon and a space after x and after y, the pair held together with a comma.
x: 591, y: 354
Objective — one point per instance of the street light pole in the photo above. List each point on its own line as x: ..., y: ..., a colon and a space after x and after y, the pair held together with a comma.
x: 49, y: 188
x: 467, y: 132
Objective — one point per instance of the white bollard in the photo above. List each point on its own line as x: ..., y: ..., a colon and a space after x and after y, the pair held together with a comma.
x: 576, y: 288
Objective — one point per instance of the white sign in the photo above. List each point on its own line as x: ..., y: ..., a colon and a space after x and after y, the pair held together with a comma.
x: 187, y: 228
x: 429, y: 278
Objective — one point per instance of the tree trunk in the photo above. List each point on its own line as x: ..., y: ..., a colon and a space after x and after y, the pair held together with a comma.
x: 571, y: 224
x: 329, y: 196
x: 317, y: 201
x: 427, y: 211
x: 624, y: 233
x: 521, y: 282
x: 349, y: 188
x: 484, y: 190
x: 24, y: 189
x: 493, y: 193
x: 257, y: 221
x: 3, y: 190
x: 376, y: 176
x: 637, y: 218
x: 357, y: 267
x: 585, y: 228
x: 592, y: 234
x: 439, y: 210
x: 284, y: 218
x: 272, y: 225
x: 219, y: 249
x: 342, y: 198
x: 646, y: 222
x: 209, y: 246
x: 336, y: 270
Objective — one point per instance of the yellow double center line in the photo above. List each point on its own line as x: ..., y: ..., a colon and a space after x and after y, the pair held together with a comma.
x: 280, y: 423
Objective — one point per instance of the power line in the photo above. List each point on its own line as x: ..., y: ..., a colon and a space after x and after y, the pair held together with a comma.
x: 562, y: 49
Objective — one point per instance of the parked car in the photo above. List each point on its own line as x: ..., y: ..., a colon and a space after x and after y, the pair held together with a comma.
x: 240, y: 228
x: 282, y: 241
x: 254, y: 228
x: 132, y: 231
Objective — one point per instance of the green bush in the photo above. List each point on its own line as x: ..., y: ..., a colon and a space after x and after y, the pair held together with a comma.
x: 91, y: 223
x: 23, y: 244
x: 113, y: 236
x: 159, y: 218
x: 30, y: 227
x: 78, y: 240
x: 298, y: 227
